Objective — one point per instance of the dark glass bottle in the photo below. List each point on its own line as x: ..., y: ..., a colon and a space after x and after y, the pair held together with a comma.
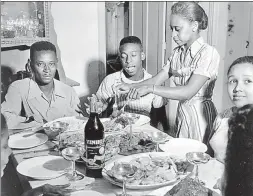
x: 94, y: 143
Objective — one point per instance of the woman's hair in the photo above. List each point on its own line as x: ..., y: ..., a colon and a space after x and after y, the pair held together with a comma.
x: 241, y: 60
x: 191, y: 11
x: 239, y: 154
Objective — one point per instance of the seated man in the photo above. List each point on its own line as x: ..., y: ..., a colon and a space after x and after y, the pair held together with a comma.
x: 33, y: 101
x: 131, y: 57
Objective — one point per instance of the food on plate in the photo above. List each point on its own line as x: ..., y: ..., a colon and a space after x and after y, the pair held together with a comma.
x: 121, y: 144
x: 74, y: 123
x: 119, y: 123
x: 150, y: 170
x: 73, y: 139
x: 139, y: 142
x: 189, y: 187
x: 183, y: 166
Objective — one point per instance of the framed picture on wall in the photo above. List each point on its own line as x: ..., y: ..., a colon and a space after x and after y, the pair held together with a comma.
x: 23, y: 23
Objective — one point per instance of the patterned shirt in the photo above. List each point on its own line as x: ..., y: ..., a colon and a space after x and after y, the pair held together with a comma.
x: 26, y: 95
x: 201, y: 59
x: 142, y: 105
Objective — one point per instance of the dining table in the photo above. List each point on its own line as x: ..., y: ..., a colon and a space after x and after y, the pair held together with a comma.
x: 209, y: 173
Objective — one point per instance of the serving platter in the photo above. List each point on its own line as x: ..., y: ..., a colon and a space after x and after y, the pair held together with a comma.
x: 163, y: 175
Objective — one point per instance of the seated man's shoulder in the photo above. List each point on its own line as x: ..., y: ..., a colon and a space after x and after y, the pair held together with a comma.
x: 21, y: 84
x: 63, y: 86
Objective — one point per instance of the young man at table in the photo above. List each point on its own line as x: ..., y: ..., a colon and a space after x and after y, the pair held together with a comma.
x: 131, y: 58
x: 33, y: 101
x: 8, y: 187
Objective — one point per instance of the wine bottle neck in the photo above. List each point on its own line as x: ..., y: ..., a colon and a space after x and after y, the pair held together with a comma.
x: 93, y: 114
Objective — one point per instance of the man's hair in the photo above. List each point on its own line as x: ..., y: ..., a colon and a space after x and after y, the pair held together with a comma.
x: 40, y: 46
x: 239, y: 154
x: 131, y: 40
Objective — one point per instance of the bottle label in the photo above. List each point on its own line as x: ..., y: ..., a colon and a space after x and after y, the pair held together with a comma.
x: 95, y: 153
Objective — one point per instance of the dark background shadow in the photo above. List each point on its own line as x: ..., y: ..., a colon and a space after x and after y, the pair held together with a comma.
x: 7, y: 75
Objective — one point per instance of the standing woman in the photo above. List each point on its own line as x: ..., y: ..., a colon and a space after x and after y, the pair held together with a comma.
x: 194, y: 67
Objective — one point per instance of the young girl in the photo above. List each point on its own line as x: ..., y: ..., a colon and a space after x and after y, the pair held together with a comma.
x: 194, y: 67
x: 240, y: 90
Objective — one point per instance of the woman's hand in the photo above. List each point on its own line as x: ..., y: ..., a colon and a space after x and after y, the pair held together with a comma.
x: 123, y: 88
x: 137, y: 93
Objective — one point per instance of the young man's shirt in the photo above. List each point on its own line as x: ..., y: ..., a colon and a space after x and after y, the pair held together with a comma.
x: 142, y: 105
x: 24, y: 99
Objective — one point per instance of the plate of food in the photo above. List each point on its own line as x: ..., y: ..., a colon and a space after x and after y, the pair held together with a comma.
x: 190, y: 187
x: 121, y: 144
x: 154, y: 170
x: 75, y: 123
x: 18, y: 141
x: 119, y: 123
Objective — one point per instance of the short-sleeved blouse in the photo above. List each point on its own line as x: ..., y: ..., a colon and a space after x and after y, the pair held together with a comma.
x: 200, y: 58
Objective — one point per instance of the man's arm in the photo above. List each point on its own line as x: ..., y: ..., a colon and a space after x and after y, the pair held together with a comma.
x: 11, y: 107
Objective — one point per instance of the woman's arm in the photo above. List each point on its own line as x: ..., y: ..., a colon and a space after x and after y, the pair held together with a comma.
x: 182, y: 92
x: 177, y: 93
x: 158, y: 79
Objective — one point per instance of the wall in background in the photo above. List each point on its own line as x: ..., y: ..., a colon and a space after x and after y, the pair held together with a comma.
x: 78, y: 31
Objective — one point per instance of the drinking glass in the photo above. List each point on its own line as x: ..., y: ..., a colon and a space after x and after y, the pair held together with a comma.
x: 125, y: 170
x: 158, y: 137
x: 197, y: 158
x: 59, y: 127
x: 72, y: 154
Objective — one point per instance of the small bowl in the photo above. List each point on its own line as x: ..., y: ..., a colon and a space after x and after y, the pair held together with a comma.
x: 55, y: 128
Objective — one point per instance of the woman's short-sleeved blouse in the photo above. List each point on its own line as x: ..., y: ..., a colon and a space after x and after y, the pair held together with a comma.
x: 200, y: 58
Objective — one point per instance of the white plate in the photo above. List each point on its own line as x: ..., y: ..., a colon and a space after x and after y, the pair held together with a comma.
x: 182, y: 146
x: 86, y: 192
x: 127, y: 159
x: 142, y: 120
x: 17, y: 141
x: 44, y: 167
x: 75, y: 122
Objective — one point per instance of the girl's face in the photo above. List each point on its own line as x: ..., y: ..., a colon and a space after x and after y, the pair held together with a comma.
x: 183, y: 30
x: 240, y: 84
x: 5, y: 150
